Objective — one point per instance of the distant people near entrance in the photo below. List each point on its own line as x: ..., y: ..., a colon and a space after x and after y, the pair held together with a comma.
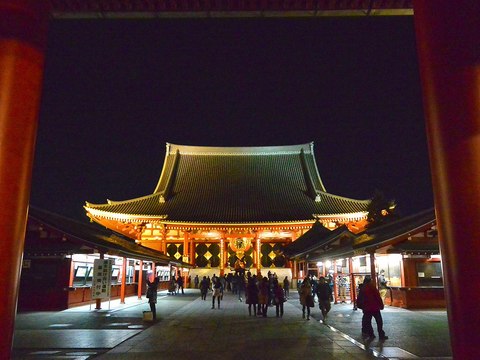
x: 196, y: 281
x: 172, y: 286
x: 382, y: 285
x: 263, y: 289
x: 180, y: 283
x: 204, y: 288
x: 324, y: 294
x: 286, y: 287
x: 279, y: 298
x: 217, y: 291
x: 306, y: 297
x: 371, y: 303
x: 342, y: 289
x: 240, y: 284
x: 251, y: 295
x: 152, y: 295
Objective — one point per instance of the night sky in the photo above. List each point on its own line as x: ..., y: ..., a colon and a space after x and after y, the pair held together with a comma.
x: 116, y: 91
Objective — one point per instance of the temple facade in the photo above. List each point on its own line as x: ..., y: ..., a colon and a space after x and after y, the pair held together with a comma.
x: 227, y: 208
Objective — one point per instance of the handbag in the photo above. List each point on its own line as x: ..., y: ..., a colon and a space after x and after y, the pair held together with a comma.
x: 309, y: 301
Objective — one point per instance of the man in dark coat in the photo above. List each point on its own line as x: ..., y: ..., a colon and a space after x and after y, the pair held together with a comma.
x: 324, y: 294
x: 180, y: 283
x: 371, y: 303
x: 152, y: 295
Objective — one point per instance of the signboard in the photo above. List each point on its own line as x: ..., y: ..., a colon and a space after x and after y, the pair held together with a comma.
x: 102, y: 278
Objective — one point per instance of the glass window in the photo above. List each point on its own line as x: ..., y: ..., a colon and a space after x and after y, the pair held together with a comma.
x: 429, y: 274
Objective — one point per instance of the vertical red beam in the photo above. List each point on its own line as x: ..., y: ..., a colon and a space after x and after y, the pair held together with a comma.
x: 335, y: 284
x: 352, y: 282
x: 140, y: 280
x: 72, y: 273
x: 373, y: 272
x: 448, y: 44
x: 23, y: 28
x: 124, y: 280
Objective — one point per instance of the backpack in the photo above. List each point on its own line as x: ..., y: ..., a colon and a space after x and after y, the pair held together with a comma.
x: 360, y: 299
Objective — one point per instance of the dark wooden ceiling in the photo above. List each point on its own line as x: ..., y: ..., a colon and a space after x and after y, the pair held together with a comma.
x: 226, y: 8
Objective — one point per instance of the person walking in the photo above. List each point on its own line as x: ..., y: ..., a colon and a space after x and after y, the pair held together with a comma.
x: 152, y: 295
x: 240, y: 284
x: 324, y: 294
x: 217, y: 292
x: 306, y: 297
x: 263, y: 296
x: 204, y: 288
x: 180, y: 283
x: 382, y: 285
x: 342, y: 289
x: 286, y: 287
x: 251, y: 295
x: 172, y: 286
x: 196, y: 281
x: 371, y: 303
x: 279, y: 298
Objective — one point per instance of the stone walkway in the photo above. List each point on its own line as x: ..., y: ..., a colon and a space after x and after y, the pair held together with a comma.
x: 187, y: 328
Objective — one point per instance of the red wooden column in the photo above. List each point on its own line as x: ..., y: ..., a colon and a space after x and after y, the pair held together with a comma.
x: 140, y: 280
x: 124, y: 280
x: 23, y: 28
x: 335, y: 282
x: 72, y: 273
x: 448, y: 44
x: 373, y: 271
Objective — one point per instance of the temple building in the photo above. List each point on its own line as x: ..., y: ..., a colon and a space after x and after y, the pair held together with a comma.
x: 227, y: 208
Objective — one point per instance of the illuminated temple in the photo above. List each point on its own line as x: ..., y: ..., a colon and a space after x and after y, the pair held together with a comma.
x: 224, y: 208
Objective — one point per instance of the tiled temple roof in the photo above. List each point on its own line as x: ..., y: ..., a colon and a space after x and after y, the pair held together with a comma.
x: 317, y: 244
x: 222, y: 185
x: 83, y: 237
x: 317, y: 237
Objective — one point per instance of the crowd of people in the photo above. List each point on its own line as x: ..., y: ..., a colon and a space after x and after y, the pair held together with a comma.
x: 263, y: 292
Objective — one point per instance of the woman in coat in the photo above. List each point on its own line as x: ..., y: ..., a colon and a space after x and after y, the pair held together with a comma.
x: 252, y: 295
x: 217, y: 289
x: 263, y: 289
x: 152, y: 295
x: 306, y: 297
x: 279, y: 298
x: 204, y: 288
x: 371, y: 303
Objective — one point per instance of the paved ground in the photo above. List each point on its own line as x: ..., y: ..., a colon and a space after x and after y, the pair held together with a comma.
x: 188, y: 328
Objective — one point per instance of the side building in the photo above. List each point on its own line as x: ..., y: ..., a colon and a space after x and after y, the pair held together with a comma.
x: 223, y: 209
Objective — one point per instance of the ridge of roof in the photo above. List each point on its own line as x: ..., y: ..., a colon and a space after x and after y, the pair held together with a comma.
x: 94, y: 235
x: 418, y: 219
x: 339, y: 197
x: 201, y: 184
x: 239, y: 151
x: 117, y: 202
x: 314, y: 238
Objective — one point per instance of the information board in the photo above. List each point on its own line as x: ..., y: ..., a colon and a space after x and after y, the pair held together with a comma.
x: 102, y: 278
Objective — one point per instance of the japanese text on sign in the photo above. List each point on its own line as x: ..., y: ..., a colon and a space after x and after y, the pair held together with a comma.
x: 102, y: 278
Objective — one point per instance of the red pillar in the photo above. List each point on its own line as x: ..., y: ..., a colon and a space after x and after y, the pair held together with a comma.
x: 373, y: 271
x: 448, y: 44
x: 23, y: 27
x: 335, y: 282
x: 124, y: 280
x: 140, y: 280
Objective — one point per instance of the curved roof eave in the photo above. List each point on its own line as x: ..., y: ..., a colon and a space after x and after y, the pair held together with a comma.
x: 163, y: 219
x: 120, y: 216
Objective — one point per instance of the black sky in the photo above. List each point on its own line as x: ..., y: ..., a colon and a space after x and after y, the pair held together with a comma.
x: 116, y: 91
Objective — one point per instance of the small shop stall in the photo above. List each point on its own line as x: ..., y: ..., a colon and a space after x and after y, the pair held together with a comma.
x: 59, y: 263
